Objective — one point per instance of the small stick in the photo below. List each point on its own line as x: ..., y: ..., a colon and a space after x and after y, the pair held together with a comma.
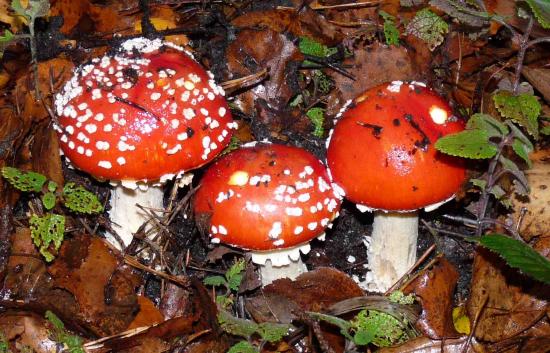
x: 413, y: 267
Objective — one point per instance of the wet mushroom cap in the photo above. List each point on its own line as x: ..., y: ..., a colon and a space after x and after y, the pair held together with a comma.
x: 266, y: 197
x: 381, y: 151
x: 146, y: 112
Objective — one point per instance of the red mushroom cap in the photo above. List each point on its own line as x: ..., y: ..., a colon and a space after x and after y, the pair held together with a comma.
x: 266, y: 197
x: 382, y: 152
x: 146, y: 113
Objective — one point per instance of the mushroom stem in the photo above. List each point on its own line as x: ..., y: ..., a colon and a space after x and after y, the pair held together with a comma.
x: 392, y: 249
x: 283, y: 263
x: 126, y: 216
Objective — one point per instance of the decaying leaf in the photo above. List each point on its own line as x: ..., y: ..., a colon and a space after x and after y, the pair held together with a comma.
x: 506, y: 302
x: 434, y: 288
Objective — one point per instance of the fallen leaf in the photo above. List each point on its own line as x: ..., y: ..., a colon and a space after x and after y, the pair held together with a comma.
x: 370, y: 66
x: 148, y: 314
x: 45, y: 158
x: 514, y: 302
x: 71, y: 11
x: 104, y: 290
x: 27, y: 329
x: 304, y: 23
x: 540, y: 79
x: 434, y: 288
x: 427, y: 345
x: 251, y: 52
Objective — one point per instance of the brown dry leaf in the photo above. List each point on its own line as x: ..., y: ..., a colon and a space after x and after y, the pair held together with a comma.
x: 370, y: 66
x: 108, y: 19
x: 148, y: 314
x: 312, y: 291
x: 45, y: 153
x: 15, y: 22
x: 534, y: 340
x: 434, y: 288
x: 536, y: 221
x: 514, y: 302
x: 426, y: 345
x: 104, y: 291
x: 27, y: 329
x: 71, y: 11
x: 52, y: 74
x: 540, y: 79
x: 253, y: 51
x: 305, y: 23
x: 197, y: 316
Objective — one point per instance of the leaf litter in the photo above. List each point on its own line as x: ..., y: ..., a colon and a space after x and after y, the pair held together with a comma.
x: 114, y: 307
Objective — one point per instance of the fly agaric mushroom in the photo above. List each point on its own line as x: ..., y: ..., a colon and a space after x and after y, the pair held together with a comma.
x: 138, y: 118
x: 271, y: 199
x: 381, y: 153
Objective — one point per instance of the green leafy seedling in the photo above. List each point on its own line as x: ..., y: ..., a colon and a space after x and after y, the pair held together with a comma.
x: 71, y: 343
x: 24, y: 181
x: 541, y: 10
x: 524, y: 109
x: 391, y: 33
x: 47, y: 231
x: 268, y: 331
x: 317, y: 117
x: 472, y: 144
x: 429, y: 27
x: 243, y: 347
x: 78, y: 199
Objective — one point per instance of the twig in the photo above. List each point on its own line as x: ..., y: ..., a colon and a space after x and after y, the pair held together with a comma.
x: 411, y: 269
x: 350, y: 5
x: 523, y: 45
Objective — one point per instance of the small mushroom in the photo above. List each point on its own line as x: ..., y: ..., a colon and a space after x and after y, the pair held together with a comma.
x: 381, y: 152
x: 138, y: 118
x: 268, y: 198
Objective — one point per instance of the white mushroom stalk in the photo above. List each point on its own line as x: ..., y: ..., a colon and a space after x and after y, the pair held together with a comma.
x: 283, y: 263
x: 139, y: 118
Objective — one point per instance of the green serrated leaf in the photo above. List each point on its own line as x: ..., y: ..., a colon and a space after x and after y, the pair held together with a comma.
x: 6, y: 37
x: 518, y: 255
x: 243, y: 347
x: 324, y: 84
x: 522, y: 151
x: 18, y: 8
x: 311, y: 47
x: 378, y: 328
x: 541, y: 10
x: 391, y: 33
x: 78, y: 199
x: 24, y: 181
x: 214, y: 281
x: 498, y: 192
x: 473, y: 144
x: 47, y: 231
x: 54, y: 320
x: 486, y: 122
x: 235, y: 326
x: 523, y: 109
x: 48, y: 200
x: 463, y: 11
x: 400, y: 297
x: 317, y: 117
x: 234, y: 274
x: 224, y: 301
x: 343, y: 325
x: 480, y: 183
x: 52, y: 186
x: 362, y: 337
x: 272, y: 332
x: 429, y: 27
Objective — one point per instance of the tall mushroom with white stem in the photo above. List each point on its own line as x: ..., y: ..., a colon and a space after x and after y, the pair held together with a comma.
x: 270, y: 199
x: 139, y: 117
x: 381, y: 152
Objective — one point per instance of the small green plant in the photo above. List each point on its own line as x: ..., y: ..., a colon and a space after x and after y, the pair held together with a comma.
x: 267, y: 331
x: 231, y: 281
x: 4, y: 344
x: 311, y: 47
x: 71, y: 343
x: 429, y: 27
x: 391, y: 33
x: 317, y: 117
x: 48, y: 229
x: 374, y: 327
x: 34, y: 9
x: 502, y: 142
